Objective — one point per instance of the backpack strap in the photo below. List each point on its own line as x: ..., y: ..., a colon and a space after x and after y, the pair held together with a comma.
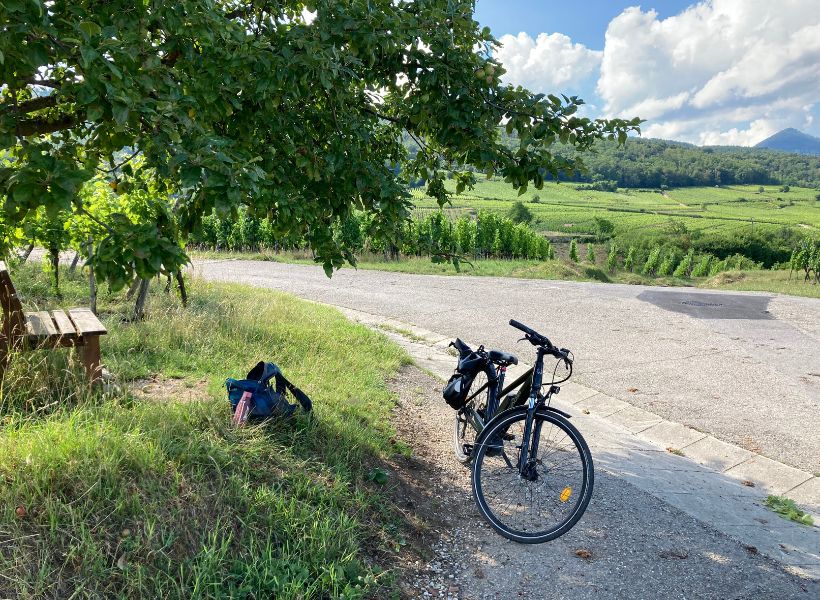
x: 282, y: 383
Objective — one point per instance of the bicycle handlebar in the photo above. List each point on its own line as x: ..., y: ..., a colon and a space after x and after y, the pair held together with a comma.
x: 536, y: 339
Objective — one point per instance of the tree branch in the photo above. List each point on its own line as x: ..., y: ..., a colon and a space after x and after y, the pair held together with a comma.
x: 32, y: 105
x: 42, y: 126
x: 50, y: 83
x: 395, y: 120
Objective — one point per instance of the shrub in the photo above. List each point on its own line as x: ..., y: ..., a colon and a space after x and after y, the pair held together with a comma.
x: 519, y: 213
x: 667, y: 265
x: 652, y: 263
x: 591, y: 253
x: 686, y: 266
x: 573, y: 251
x: 702, y: 268
x: 629, y: 261
x: 612, y: 259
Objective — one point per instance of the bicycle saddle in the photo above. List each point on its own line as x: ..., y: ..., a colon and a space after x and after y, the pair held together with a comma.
x: 499, y: 357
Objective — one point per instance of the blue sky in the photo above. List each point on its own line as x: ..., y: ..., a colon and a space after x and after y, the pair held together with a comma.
x: 585, y: 22
x: 709, y: 72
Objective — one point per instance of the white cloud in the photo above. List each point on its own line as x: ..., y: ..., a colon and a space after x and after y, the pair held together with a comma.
x: 548, y: 63
x: 722, y: 71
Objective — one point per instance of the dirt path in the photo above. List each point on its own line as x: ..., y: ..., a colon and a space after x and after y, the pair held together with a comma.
x: 639, y: 547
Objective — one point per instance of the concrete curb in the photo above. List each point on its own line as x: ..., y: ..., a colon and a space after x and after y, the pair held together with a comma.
x: 687, y: 468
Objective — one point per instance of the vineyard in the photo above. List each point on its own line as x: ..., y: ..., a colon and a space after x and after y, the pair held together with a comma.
x: 561, y: 208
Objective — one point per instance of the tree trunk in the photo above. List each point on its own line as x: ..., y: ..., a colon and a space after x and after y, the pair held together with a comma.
x: 26, y: 253
x: 74, y: 262
x: 92, y: 280
x: 139, y: 307
x: 54, y: 256
x: 133, y: 289
x: 183, y: 294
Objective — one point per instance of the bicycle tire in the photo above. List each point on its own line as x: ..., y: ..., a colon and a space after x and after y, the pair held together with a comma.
x: 464, y: 433
x: 491, y: 459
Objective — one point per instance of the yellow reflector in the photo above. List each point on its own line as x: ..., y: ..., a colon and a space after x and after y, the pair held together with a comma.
x: 566, y: 493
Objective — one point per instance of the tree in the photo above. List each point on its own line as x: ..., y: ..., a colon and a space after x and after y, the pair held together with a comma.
x: 256, y: 106
x: 573, y: 251
x: 591, y: 253
x: 603, y: 228
x: 519, y: 213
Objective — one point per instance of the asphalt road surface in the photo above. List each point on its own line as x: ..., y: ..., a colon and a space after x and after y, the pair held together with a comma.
x: 744, y: 367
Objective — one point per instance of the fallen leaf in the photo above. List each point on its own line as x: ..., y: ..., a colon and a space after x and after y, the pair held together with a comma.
x: 121, y: 562
x: 20, y: 511
x: 583, y: 553
x: 585, y: 411
x: 747, y: 483
x: 632, y: 390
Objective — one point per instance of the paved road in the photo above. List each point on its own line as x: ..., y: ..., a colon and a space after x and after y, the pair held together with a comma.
x: 743, y: 367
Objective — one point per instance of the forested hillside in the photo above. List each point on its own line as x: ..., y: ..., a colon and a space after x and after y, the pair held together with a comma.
x: 648, y: 163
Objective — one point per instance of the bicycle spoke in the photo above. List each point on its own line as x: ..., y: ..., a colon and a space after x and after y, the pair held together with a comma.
x: 549, y: 490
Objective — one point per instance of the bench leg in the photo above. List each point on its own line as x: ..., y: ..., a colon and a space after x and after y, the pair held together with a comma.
x: 90, y: 357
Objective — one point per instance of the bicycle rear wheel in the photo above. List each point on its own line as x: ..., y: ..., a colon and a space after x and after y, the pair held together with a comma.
x: 550, y: 496
x: 465, y: 431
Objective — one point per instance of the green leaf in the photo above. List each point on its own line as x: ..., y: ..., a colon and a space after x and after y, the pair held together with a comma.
x: 90, y: 28
x: 120, y: 113
x: 94, y: 112
x: 24, y: 192
x: 378, y: 475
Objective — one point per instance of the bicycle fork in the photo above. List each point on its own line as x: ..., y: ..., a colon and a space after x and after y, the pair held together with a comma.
x: 529, y: 442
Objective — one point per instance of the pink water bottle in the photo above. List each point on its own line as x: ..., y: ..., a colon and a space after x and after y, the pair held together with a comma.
x: 243, y: 409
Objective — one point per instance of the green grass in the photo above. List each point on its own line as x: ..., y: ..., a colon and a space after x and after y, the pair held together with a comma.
x: 778, y: 282
x: 132, y: 498
x: 787, y: 509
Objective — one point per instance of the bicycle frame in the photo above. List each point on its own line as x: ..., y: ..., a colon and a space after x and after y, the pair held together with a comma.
x: 534, y: 377
x: 497, y: 381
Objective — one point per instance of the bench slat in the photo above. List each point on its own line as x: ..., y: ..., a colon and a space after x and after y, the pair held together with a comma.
x: 40, y: 325
x: 86, y: 322
x: 64, y: 325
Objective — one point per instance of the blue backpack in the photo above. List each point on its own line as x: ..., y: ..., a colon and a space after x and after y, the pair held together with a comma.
x: 266, y: 401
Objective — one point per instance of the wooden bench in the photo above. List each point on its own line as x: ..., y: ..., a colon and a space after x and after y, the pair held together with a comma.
x: 75, y: 328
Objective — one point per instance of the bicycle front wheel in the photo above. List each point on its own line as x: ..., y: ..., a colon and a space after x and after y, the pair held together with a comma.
x: 546, y: 498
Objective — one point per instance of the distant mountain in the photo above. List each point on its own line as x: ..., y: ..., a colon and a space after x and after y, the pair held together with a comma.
x: 792, y: 140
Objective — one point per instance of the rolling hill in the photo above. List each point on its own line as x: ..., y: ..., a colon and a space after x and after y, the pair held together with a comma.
x: 792, y: 140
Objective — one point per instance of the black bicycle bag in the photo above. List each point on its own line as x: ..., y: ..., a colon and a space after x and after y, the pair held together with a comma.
x: 470, y: 364
x: 455, y: 392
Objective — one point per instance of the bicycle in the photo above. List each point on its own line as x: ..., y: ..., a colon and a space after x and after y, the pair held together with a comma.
x: 527, y: 459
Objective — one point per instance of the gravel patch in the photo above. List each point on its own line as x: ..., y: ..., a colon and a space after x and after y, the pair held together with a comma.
x: 628, y: 544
